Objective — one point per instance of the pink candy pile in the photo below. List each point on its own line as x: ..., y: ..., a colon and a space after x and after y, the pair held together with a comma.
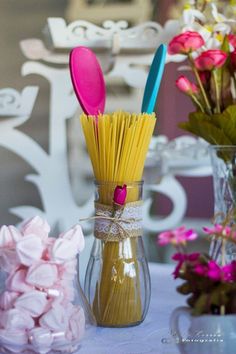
x: 38, y: 308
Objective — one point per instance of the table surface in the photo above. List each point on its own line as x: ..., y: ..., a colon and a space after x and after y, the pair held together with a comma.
x: 153, y: 335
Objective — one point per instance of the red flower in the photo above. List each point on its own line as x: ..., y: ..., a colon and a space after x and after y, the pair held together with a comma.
x: 232, y: 39
x: 205, y: 77
x: 233, y: 59
x: 185, y: 43
x: 186, y: 86
x: 120, y: 194
x: 211, y: 59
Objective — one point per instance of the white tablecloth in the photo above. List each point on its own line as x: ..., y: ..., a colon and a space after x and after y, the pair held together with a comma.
x: 149, y: 337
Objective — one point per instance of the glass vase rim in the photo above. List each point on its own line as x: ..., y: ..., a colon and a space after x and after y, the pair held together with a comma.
x: 222, y: 147
x: 112, y: 183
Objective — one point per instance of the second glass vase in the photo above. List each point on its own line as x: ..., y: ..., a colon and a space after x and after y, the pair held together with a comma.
x: 117, y: 282
x: 223, y: 159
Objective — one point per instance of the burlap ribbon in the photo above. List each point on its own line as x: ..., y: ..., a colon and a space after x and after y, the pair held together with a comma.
x: 119, y: 223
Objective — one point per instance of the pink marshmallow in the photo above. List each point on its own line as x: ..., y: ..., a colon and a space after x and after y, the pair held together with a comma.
x: 16, y: 319
x: 13, y: 339
x: 17, y: 282
x: 9, y: 261
x: 34, y: 302
x: 7, y: 299
x: 67, y: 270
x: 29, y: 249
x: 42, y: 275
x: 40, y: 338
x: 61, y: 343
x: 76, y: 236
x: 36, y: 226
x: 9, y: 235
x: 62, y: 250
x: 55, y: 319
x: 76, y: 326
x: 67, y: 246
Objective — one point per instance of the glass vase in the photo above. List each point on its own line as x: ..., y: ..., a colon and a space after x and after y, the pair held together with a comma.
x: 117, y: 281
x: 37, y: 316
x: 223, y: 159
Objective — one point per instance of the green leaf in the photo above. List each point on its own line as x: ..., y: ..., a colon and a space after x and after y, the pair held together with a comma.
x: 230, y: 111
x: 211, y: 128
x: 225, y: 45
x: 226, y: 123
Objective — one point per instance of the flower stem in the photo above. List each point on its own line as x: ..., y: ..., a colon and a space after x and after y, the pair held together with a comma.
x: 222, y: 310
x: 198, y: 103
x: 217, y: 88
x: 223, y: 252
x: 203, y: 92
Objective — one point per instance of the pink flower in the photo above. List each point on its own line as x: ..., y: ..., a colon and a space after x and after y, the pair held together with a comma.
x: 218, y: 229
x: 177, y: 236
x: 205, y: 77
x: 201, y: 269
x: 186, y: 86
x: 214, y: 271
x: 120, y: 194
x: 233, y: 59
x: 232, y: 39
x: 210, y: 59
x: 185, y: 43
x: 229, y: 272
x: 181, y: 258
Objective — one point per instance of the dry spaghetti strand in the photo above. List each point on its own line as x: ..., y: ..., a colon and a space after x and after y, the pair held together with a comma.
x: 117, y: 146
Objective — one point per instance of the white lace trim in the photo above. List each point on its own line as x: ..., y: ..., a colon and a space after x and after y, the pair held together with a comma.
x: 127, y: 221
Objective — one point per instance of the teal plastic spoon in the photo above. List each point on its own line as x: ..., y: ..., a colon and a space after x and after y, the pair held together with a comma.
x: 154, y: 80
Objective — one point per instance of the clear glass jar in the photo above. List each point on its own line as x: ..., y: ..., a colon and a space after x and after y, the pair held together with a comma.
x: 38, y: 314
x: 223, y: 159
x: 117, y: 281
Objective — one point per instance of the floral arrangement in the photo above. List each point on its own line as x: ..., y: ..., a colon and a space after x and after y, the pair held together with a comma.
x: 209, y: 282
x: 38, y: 300
x: 208, y: 41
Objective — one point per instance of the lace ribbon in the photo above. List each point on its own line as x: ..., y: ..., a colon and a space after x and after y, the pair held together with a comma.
x: 117, y: 224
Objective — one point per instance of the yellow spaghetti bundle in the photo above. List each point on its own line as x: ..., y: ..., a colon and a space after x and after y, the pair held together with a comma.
x: 117, y: 144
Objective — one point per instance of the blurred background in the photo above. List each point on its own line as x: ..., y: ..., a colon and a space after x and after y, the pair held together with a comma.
x: 27, y: 19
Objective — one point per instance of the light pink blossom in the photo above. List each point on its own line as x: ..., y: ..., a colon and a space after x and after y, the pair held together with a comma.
x: 186, y: 86
x: 218, y: 229
x: 178, y: 236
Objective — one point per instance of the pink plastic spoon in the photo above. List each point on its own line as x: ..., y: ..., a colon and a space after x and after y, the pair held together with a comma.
x: 88, y: 80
